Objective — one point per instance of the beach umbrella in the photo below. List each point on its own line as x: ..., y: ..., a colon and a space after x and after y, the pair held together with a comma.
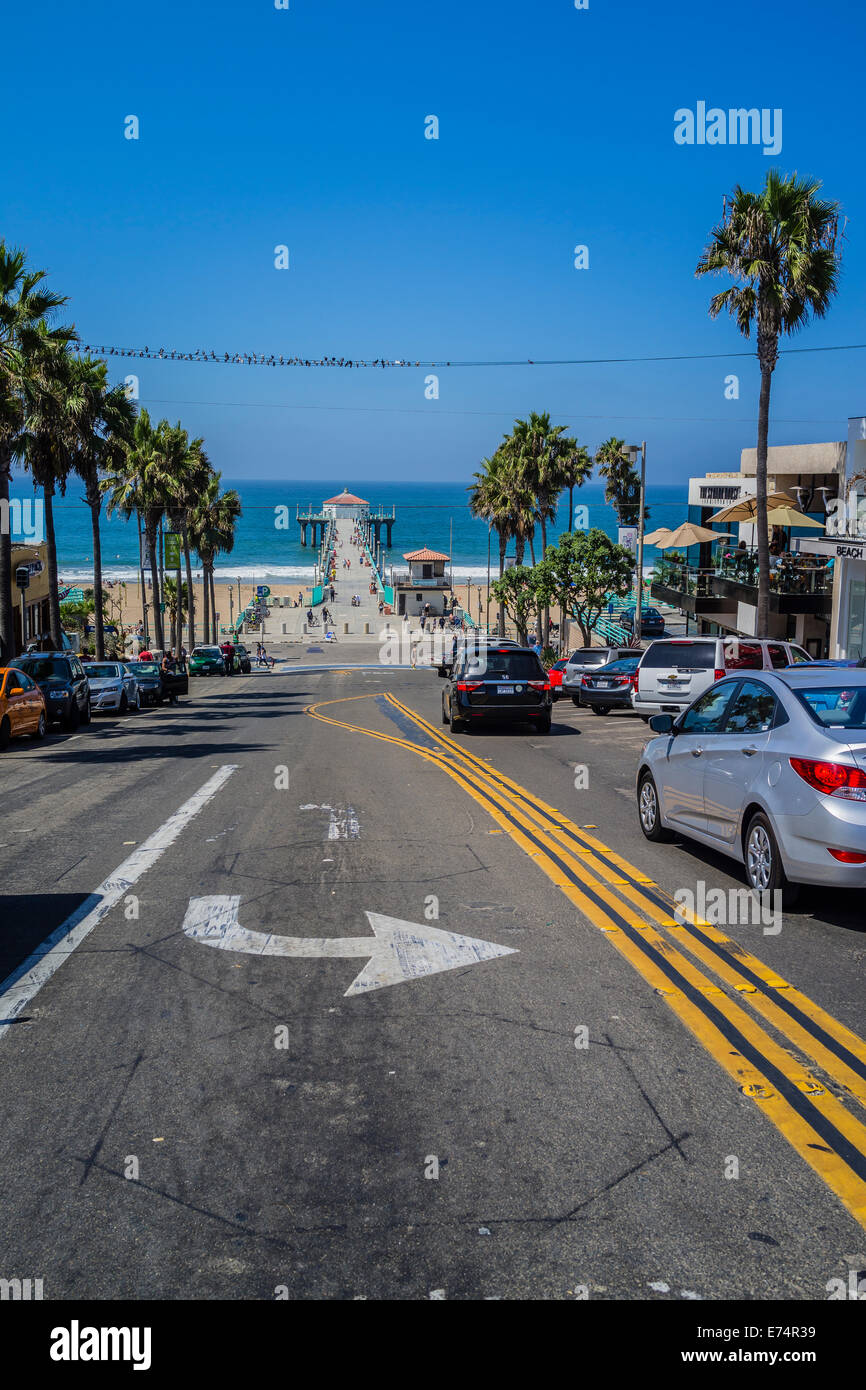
x: 789, y: 516
x: 746, y: 509
x: 655, y: 536
x: 688, y: 534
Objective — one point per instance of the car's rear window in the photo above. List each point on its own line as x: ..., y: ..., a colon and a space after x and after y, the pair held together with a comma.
x: 836, y: 706
x: 694, y: 655
x: 589, y: 656
x: 744, y: 656
x: 626, y: 663
x: 102, y: 672
x: 146, y: 668
x: 523, y: 666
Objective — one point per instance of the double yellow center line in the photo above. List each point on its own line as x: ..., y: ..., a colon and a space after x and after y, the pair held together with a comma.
x: 639, y: 920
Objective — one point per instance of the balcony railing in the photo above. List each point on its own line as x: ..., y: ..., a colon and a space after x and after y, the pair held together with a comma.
x: 407, y: 579
x: 788, y: 575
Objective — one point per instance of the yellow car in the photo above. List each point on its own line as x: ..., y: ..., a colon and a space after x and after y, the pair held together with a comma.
x: 22, y: 708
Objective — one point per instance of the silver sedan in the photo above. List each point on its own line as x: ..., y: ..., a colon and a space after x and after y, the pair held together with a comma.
x: 768, y: 767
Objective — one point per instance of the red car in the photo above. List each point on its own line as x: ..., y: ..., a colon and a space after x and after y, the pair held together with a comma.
x: 554, y: 676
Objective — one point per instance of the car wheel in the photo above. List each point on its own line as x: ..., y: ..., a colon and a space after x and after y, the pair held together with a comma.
x: 39, y: 731
x: 454, y: 721
x: 648, y: 810
x: 124, y: 704
x: 137, y: 705
x: 575, y: 700
x: 601, y: 709
x: 73, y: 718
x: 5, y: 733
x: 544, y: 725
x: 444, y: 712
x: 645, y: 718
x: 87, y: 715
x: 764, y: 869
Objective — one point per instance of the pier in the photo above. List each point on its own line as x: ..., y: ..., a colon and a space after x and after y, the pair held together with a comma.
x: 316, y: 519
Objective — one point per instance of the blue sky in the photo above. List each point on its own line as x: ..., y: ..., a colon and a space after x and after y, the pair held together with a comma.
x: 305, y: 127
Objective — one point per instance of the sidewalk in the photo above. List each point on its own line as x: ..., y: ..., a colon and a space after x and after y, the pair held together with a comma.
x: 347, y: 623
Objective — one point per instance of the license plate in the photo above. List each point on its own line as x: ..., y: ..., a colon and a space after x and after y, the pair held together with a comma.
x: 605, y: 685
x: 505, y: 690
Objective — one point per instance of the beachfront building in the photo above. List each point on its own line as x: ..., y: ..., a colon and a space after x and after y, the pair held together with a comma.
x: 715, y: 583
x: 345, y: 504
x: 31, y: 604
x: 842, y: 548
x: 424, y: 585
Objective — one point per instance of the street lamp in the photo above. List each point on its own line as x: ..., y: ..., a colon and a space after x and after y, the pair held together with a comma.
x: 633, y: 450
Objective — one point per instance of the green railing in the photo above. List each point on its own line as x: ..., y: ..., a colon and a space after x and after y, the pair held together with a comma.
x: 318, y: 594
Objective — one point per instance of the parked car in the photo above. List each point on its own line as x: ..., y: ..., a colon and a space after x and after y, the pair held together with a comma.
x: 22, y: 706
x: 610, y: 686
x: 588, y: 659
x: 652, y: 624
x: 768, y: 767
x: 60, y: 676
x: 207, y: 661
x: 243, y: 660
x: 555, y: 675
x: 147, y: 676
x: 674, y: 671
x: 113, y: 686
x: 498, y: 683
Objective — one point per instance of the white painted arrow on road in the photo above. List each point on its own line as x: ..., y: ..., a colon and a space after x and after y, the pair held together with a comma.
x: 397, y: 951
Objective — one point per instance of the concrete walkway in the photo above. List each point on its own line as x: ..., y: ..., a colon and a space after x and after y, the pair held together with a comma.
x: 347, y: 623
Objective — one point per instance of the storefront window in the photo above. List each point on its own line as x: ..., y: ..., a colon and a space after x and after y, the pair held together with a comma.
x: 856, y: 616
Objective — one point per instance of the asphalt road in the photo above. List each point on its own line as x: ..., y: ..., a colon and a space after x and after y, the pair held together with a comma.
x: 183, y: 1121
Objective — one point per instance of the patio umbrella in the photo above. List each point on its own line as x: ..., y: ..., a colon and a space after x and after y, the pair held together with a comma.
x: 789, y: 516
x: 655, y: 536
x: 746, y: 509
x: 688, y: 534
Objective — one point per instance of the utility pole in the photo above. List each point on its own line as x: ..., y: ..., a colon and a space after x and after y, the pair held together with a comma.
x: 638, y: 607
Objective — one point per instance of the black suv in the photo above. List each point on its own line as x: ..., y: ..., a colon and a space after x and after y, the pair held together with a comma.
x: 507, y: 683
x: 61, y: 678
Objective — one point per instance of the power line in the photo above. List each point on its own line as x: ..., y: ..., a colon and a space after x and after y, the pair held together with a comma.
x: 436, y: 410
x: 253, y: 359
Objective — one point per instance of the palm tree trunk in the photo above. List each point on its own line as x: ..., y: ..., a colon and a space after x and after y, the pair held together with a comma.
x: 205, y: 601
x: 532, y: 547
x: 158, y: 629
x: 190, y: 612
x: 51, y: 553
x: 98, y: 621
x: 213, y: 607
x: 570, y: 506
x: 545, y: 616
x: 762, y: 617
x: 7, y: 611
x: 143, y: 585
x: 503, y: 546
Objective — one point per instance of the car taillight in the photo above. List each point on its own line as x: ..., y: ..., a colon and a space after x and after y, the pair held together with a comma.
x: 634, y: 680
x: 538, y: 685
x: 584, y: 680
x: 718, y: 673
x: 833, y: 779
x: 469, y: 685
x: 847, y: 856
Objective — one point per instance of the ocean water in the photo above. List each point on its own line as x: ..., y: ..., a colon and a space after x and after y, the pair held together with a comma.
x: 427, y: 514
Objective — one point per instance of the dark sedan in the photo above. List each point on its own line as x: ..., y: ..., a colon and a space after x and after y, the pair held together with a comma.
x: 611, y: 685
x: 652, y: 624
x: 502, y: 683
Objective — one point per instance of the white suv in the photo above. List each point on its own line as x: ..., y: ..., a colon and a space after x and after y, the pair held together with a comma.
x: 676, y: 670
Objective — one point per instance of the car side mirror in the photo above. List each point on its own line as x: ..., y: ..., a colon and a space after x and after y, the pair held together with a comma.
x: 16, y: 690
x: 662, y: 723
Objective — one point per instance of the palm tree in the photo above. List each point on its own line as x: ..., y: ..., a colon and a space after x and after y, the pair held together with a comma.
x: 211, y: 531
x: 45, y: 443
x: 780, y: 248
x: 538, y: 449
x: 25, y: 303
x: 576, y: 470
x: 103, y: 419
x: 622, y: 490
x: 491, y: 497
x: 192, y: 472
x: 142, y: 482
